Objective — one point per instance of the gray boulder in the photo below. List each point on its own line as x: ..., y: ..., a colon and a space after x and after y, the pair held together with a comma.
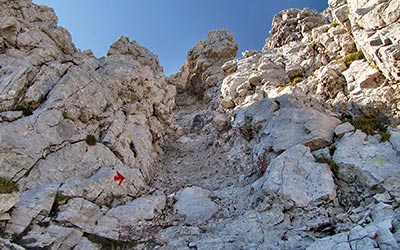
x: 366, y: 159
x: 101, y: 186
x: 32, y: 202
x: 291, y: 126
x: 79, y: 212
x: 295, y: 176
x: 194, y: 203
x: 129, y: 221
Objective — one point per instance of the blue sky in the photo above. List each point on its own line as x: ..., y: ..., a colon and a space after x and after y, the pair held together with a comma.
x: 169, y: 28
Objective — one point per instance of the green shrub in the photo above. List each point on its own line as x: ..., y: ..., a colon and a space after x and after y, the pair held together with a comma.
x: 7, y: 186
x: 91, y: 140
x: 348, y: 59
x: 295, y: 81
x: 371, y: 126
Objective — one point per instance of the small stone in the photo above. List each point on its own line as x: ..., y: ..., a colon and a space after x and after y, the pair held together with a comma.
x: 11, y: 92
x: 221, y: 122
x: 343, y: 129
x: 229, y: 67
x: 254, y: 78
x: 5, y: 217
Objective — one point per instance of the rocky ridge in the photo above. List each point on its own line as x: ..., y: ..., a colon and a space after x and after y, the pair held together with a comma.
x: 283, y: 161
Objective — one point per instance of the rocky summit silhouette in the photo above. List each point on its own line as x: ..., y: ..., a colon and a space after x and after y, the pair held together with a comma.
x: 298, y: 148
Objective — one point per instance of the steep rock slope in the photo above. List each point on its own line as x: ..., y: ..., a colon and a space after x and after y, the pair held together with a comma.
x: 70, y: 121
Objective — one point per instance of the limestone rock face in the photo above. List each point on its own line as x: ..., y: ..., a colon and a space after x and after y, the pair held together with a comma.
x: 374, y: 25
x: 291, y: 25
x: 202, y: 69
x: 65, y: 95
x: 69, y: 122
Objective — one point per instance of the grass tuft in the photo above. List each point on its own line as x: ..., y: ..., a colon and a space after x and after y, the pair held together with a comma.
x: 348, y: 59
x: 332, y: 25
x: 331, y: 163
x: 25, y: 110
x: 7, y: 186
x: 371, y: 126
x: 60, y: 199
x: 294, y: 82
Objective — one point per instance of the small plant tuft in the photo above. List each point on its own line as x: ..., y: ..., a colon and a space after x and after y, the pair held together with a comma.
x: 25, y: 111
x: 60, y: 199
x: 348, y: 59
x: 332, y: 149
x: 332, y: 25
x: 7, y: 186
x: 331, y: 163
x: 91, y: 140
x: 110, y: 244
x: 371, y: 126
x: 294, y: 82
x: 117, y: 196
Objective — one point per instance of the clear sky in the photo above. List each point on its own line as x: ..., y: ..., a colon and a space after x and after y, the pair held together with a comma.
x: 169, y: 28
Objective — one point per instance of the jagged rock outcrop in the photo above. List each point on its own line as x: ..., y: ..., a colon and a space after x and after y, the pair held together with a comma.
x: 374, y: 25
x: 202, y: 68
x: 291, y: 25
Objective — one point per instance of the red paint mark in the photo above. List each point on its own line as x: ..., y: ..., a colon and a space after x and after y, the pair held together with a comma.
x: 119, y: 177
x: 263, y: 168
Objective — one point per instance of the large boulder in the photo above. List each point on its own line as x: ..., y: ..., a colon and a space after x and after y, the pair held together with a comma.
x: 101, y: 186
x: 79, y: 212
x: 32, y: 202
x: 131, y: 221
x: 295, y: 176
x: 363, y: 158
x: 291, y: 126
x: 195, y: 205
